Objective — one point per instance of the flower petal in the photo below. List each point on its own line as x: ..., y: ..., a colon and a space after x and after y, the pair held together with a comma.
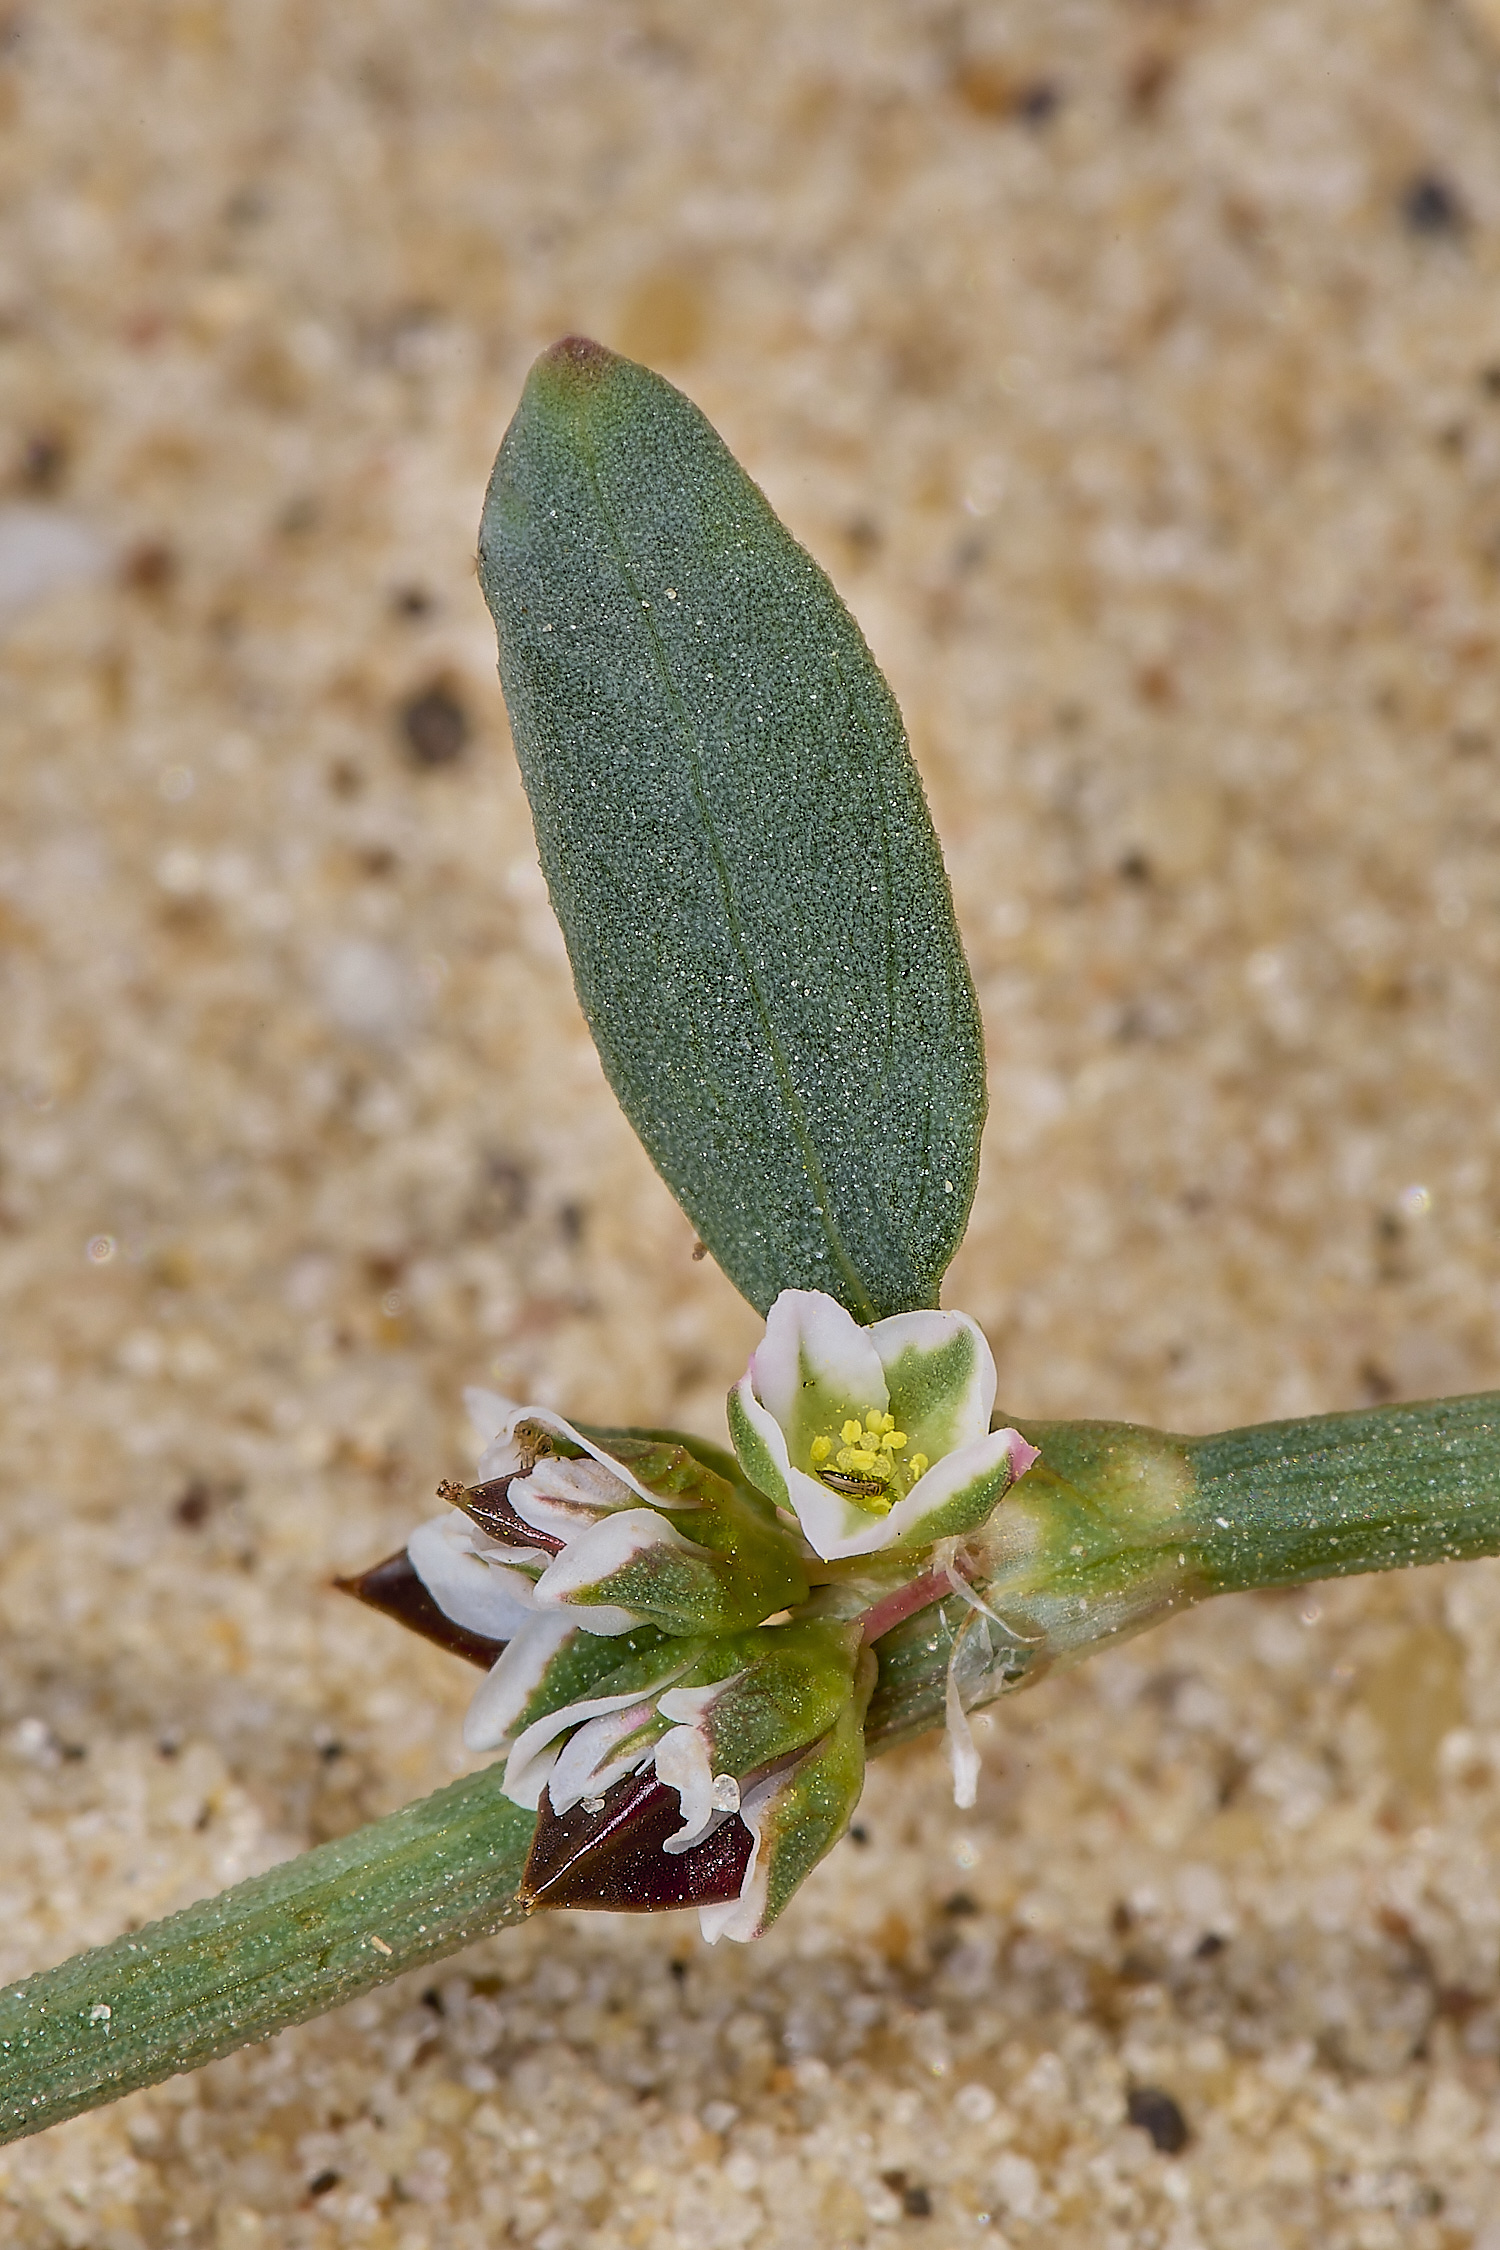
x: 959, y: 1491
x: 832, y: 1525
x: 568, y: 1497
x: 684, y: 1757
x: 591, y: 1762
x: 814, y: 1361
x: 954, y: 1495
x: 760, y: 1442
x: 504, y: 1694
x: 809, y: 1337
x: 489, y: 1411
x: 532, y: 1757
x: 963, y: 1751
x: 451, y: 1556
x: 941, y: 1376
x: 741, y: 1918
x: 682, y: 1762
x: 502, y: 1456
x: 686, y: 1706
x: 595, y: 1555
x: 975, y: 1671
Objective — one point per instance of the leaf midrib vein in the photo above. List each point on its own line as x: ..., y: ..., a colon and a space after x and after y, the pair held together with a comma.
x: 800, y: 1127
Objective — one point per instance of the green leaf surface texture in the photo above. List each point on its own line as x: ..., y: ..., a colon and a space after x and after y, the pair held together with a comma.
x: 736, y: 844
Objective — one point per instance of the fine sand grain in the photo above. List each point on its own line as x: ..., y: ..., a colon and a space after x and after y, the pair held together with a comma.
x: 1135, y: 369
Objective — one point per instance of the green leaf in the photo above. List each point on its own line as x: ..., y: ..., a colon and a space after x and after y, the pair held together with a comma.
x: 736, y: 844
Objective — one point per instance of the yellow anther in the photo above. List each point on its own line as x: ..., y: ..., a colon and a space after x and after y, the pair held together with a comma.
x: 868, y: 1452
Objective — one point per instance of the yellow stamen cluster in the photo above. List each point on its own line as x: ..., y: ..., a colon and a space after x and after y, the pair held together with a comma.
x: 865, y: 1453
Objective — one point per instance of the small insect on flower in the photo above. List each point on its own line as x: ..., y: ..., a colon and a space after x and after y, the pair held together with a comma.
x: 685, y: 1730
x: 873, y: 1437
x: 853, y: 1488
x: 533, y: 1441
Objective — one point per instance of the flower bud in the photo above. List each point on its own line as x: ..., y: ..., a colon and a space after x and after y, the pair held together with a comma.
x: 795, y: 1816
x: 718, y: 1561
x: 759, y: 1737
x: 787, y: 1692
x: 639, y: 1532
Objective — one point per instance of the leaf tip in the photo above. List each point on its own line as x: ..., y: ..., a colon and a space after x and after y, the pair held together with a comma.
x: 575, y: 363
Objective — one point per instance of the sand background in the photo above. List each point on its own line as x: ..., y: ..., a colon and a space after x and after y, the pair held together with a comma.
x: 1134, y: 367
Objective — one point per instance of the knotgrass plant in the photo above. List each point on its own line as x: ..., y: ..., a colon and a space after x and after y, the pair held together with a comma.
x: 689, y: 1653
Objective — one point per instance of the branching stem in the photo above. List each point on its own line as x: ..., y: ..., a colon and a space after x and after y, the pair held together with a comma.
x: 1113, y: 1529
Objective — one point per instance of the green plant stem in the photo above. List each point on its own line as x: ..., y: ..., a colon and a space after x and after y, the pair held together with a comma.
x: 290, y: 1944
x: 1117, y: 1526
x: 1113, y: 1529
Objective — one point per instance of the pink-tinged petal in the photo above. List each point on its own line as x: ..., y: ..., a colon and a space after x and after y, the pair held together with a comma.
x: 452, y: 1559
x: 987, y: 1469
x: 566, y: 1498
x: 811, y: 1340
x: 533, y: 1757
x: 911, y: 1344
x: 505, y: 1693
x: 588, y: 1766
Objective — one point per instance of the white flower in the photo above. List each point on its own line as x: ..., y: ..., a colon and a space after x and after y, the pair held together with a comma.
x: 592, y: 1515
x: 735, y: 1699
x: 871, y: 1436
x: 772, y: 1737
